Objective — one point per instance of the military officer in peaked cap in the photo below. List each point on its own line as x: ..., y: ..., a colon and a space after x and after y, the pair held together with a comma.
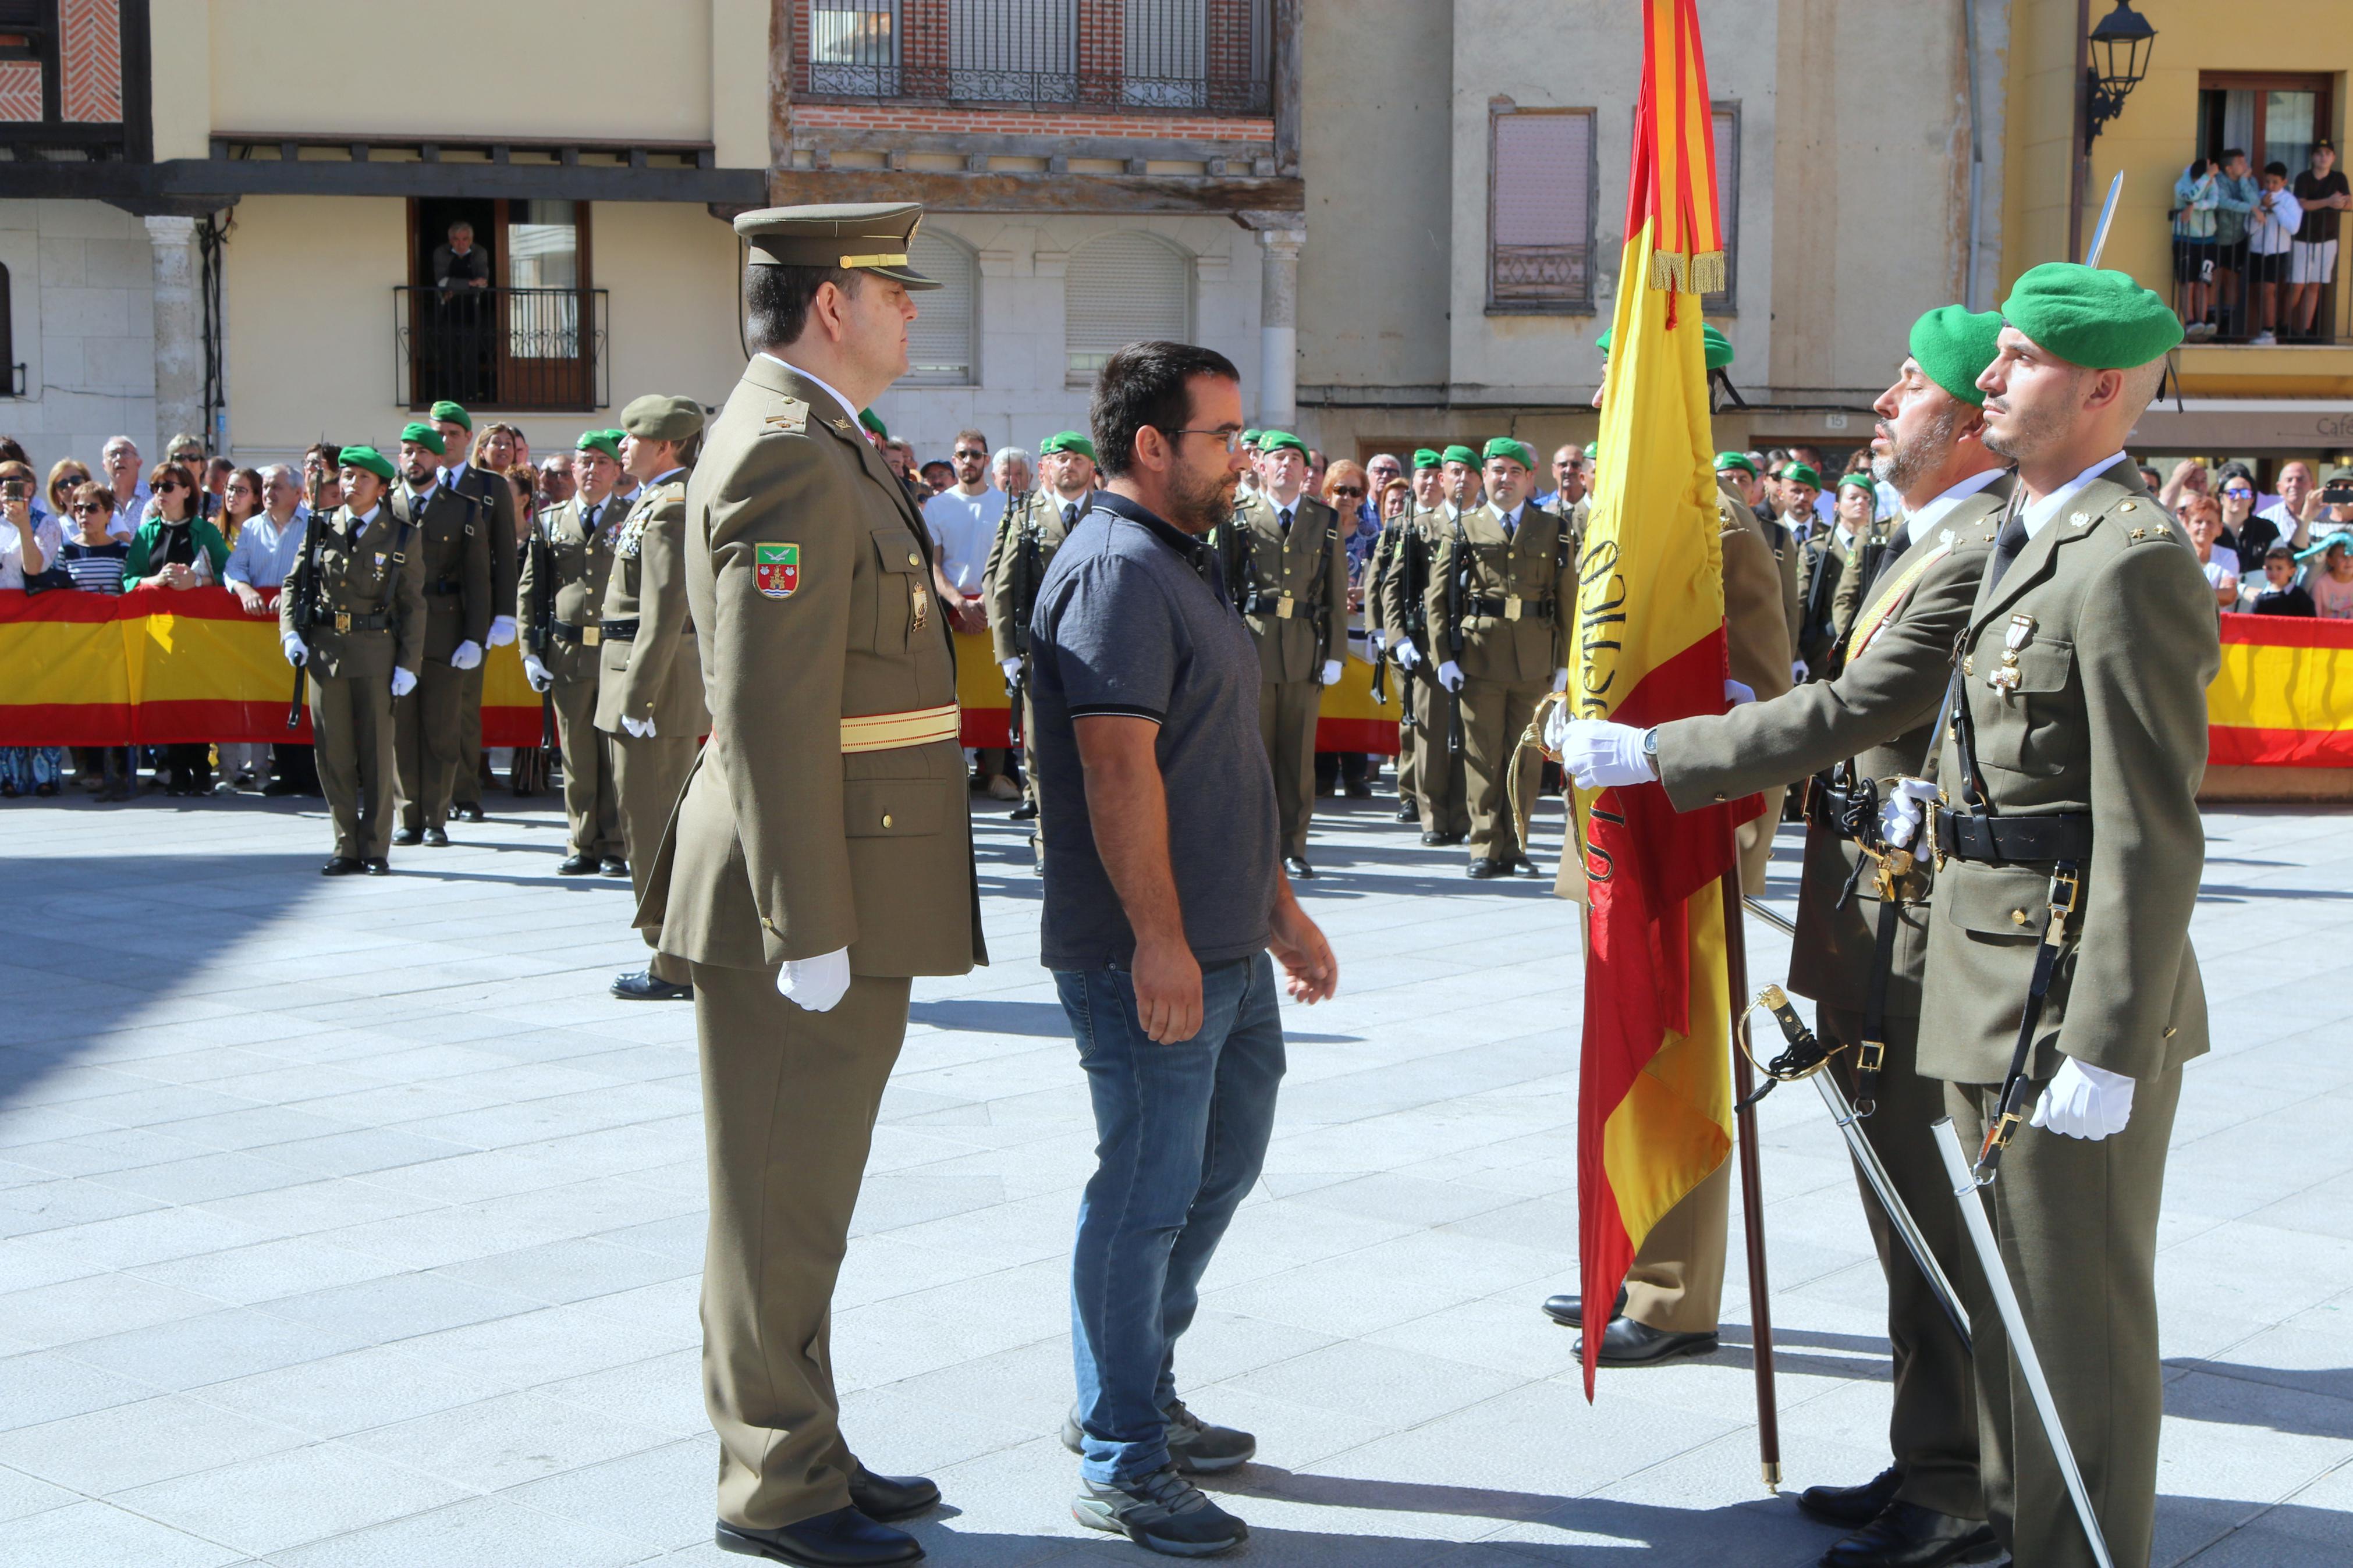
x: 819, y: 860
x: 561, y: 598
x: 649, y: 693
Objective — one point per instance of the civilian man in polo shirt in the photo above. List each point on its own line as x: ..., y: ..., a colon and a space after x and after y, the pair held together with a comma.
x: 1164, y: 898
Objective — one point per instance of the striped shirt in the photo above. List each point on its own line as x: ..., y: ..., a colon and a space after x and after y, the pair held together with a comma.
x: 95, y: 568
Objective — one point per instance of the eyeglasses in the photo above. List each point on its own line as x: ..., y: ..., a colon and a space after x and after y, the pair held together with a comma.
x: 964, y: 452
x: 2238, y: 493
x: 88, y: 506
x: 1233, y: 437
x: 1356, y: 490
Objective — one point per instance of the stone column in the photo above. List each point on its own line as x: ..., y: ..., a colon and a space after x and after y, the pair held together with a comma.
x: 179, y: 334
x: 1278, y: 328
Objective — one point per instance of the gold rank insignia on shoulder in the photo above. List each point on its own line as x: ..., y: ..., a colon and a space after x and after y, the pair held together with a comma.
x: 791, y: 419
x: 2128, y: 506
x: 841, y: 425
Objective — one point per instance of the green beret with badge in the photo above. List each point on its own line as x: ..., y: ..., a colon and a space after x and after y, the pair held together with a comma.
x: 1281, y: 441
x: 1249, y: 438
x: 1735, y: 460
x: 1801, y: 473
x: 853, y: 236
x: 369, y: 460
x: 1067, y: 441
x: 1427, y: 457
x: 1460, y: 455
x: 450, y: 413
x: 1519, y: 452
x: 425, y: 435
x: 2090, y: 316
x: 1859, y: 481
x: 873, y: 421
x: 606, y: 441
x: 1592, y: 450
x: 658, y: 417
x: 1954, y: 346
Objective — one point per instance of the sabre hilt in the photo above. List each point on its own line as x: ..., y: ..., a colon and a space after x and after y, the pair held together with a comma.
x: 1804, y: 1056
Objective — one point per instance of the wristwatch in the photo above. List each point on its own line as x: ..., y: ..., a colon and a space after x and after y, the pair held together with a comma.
x: 1651, y: 750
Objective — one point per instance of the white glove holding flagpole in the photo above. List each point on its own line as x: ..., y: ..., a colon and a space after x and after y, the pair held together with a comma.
x: 2084, y: 1101
x: 815, y: 984
x: 1599, y: 754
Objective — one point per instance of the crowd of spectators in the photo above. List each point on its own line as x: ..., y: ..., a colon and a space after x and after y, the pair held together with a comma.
x: 2255, y: 252
x: 2269, y: 555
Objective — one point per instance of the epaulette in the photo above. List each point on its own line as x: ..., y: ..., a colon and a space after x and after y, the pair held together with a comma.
x: 792, y: 419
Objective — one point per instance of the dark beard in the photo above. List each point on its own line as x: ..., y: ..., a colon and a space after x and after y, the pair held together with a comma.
x: 1196, y: 506
x: 1903, y: 467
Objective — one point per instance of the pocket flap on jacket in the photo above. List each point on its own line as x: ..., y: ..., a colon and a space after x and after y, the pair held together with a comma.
x: 897, y: 551
x: 2045, y: 666
x: 890, y: 809
x: 1995, y: 900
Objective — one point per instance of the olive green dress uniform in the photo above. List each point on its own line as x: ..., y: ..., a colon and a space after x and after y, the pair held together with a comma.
x: 1437, y: 787
x: 1387, y: 552
x: 1878, y: 714
x: 1821, y: 558
x: 370, y: 620
x: 2112, y: 624
x: 1863, y: 565
x: 1513, y: 638
x: 830, y: 811
x: 1037, y: 524
x: 497, y: 499
x: 1293, y: 586
x: 578, y: 538
x: 655, y: 672
x: 449, y: 551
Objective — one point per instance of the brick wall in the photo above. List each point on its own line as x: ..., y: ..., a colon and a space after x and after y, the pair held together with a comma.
x: 1028, y: 122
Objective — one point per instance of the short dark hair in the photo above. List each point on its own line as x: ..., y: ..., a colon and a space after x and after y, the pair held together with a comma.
x: 2279, y: 553
x: 2276, y: 167
x: 1147, y: 383
x: 330, y: 455
x: 2230, y: 152
x: 776, y: 299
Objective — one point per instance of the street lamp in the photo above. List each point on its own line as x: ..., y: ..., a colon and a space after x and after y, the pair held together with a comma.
x: 2120, y: 51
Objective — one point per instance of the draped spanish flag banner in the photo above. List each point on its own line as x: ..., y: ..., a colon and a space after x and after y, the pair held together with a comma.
x: 1656, y: 1114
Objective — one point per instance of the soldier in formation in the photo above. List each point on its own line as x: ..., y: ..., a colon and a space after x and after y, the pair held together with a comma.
x: 449, y: 551
x: 1034, y: 525
x: 561, y: 597
x: 1443, y: 484
x: 491, y: 491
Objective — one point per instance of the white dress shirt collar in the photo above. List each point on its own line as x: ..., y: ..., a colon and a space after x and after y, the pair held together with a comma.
x: 831, y: 391
x: 1917, y: 528
x: 2040, y: 513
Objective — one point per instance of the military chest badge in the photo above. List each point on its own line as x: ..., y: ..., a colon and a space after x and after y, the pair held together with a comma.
x: 777, y: 569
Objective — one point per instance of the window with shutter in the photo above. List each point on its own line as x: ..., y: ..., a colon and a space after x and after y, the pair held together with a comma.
x: 1540, y: 191
x: 939, y: 341
x: 1121, y: 288
x: 1727, y: 206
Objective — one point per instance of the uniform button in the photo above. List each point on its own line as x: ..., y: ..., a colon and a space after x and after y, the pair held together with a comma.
x: 913, y: 559
x: 2018, y: 916
x: 886, y: 819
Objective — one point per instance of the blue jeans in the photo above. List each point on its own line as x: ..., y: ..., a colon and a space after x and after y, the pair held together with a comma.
x: 1181, y: 1135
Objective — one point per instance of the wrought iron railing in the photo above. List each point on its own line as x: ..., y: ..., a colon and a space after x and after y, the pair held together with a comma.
x: 530, y: 349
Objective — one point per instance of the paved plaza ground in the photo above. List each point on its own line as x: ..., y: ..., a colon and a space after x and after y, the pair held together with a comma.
x: 351, y: 1225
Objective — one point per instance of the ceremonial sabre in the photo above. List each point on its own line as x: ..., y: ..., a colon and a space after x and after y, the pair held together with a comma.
x: 2013, y: 1319
x: 2107, y: 218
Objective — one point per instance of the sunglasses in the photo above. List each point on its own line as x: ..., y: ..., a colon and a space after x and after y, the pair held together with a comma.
x: 169, y: 486
x: 88, y: 506
x: 963, y: 452
x: 1347, y: 489
x: 2238, y: 493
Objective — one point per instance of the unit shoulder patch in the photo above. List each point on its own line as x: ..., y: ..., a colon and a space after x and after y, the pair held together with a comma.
x: 777, y: 569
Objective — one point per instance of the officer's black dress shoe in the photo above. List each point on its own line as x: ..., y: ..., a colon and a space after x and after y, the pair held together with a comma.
x: 1524, y: 866
x: 1408, y: 813
x: 1360, y: 791
x: 842, y: 1539
x: 1299, y: 868
x: 405, y: 836
x: 377, y: 865
x: 340, y: 866
x: 281, y: 786
x: 576, y: 865
x: 436, y: 839
x: 1569, y: 1310
x: 468, y: 812
x: 644, y: 986
x: 613, y: 866
x: 1625, y: 1342
x: 892, y: 1497
x: 1027, y: 811
x: 1853, y: 1507
x: 1907, y: 1535
x: 1481, y: 871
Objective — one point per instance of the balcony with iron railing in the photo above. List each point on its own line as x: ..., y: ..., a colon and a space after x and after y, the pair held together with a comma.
x: 528, y: 351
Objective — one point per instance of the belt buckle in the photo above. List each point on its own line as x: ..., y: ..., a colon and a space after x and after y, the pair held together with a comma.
x: 1285, y: 607
x: 1511, y: 607
x: 591, y: 636
x: 342, y: 620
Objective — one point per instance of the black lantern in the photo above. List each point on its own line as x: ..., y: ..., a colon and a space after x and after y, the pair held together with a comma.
x: 2120, y: 51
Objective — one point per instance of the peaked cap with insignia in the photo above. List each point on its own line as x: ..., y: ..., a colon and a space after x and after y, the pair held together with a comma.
x: 871, y: 237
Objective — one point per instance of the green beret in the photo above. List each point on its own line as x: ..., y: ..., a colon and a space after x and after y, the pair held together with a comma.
x: 1858, y: 481
x: 1955, y: 347
x: 426, y: 436
x: 603, y: 441
x: 655, y: 418
x: 873, y: 421
x: 1803, y: 473
x: 367, y: 457
x: 1249, y: 437
x: 1519, y: 452
x: 1592, y: 450
x: 1426, y: 457
x: 1460, y: 455
x: 1735, y: 460
x: 1602, y: 342
x: 2094, y: 317
x: 1280, y: 440
x: 1067, y: 441
x: 1716, y: 346
x: 616, y: 435
x: 451, y: 413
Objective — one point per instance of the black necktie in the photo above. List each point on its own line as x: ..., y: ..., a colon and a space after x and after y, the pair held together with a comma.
x: 589, y: 523
x: 1511, y: 523
x: 1071, y: 515
x: 1284, y: 518
x: 2006, y: 548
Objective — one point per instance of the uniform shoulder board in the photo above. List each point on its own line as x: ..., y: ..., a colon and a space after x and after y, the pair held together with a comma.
x: 791, y: 419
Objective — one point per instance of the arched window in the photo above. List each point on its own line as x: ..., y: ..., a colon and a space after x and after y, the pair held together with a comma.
x: 939, y: 344
x: 1119, y: 288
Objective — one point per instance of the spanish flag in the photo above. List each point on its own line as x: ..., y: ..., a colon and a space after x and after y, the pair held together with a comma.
x: 1655, y: 1112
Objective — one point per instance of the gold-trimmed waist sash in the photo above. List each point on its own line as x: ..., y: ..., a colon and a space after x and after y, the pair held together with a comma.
x: 891, y: 732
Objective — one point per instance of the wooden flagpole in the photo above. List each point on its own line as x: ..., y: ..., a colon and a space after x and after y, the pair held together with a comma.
x: 1752, y: 1196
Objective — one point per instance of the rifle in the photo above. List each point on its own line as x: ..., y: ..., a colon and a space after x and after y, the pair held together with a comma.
x: 542, y: 622
x: 1025, y: 588
x: 306, y: 599
x: 1383, y: 551
x: 1456, y: 581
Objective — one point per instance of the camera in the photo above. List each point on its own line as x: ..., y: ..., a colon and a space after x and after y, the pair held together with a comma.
x: 2339, y: 494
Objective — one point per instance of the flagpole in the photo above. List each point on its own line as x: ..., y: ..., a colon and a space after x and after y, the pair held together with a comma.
x: 1752, y: 1197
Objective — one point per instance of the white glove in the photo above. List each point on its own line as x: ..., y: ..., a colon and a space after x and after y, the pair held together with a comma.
x: 815, y: 984
x: 643, y: 729
x: 536, y: 673
x: 1407, y: 657
x: 1011, y: 666
x: 2084, y: 1101
x: 404, y: 681
x: 1737, y: 694
x: 1797, y: 672
x: 502, y: 631
x: 1560, y: 680
x: 1450, y: 676
x: 1331, y: 676
x: 296, y: 652
x: 467, y: 655
x: 1375, y: 642
x: 1904, y: 809
x: 1602, y: 755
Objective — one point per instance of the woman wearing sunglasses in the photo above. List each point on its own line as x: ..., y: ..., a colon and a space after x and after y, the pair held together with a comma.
x: 176, y: 548
x: 93, y: 557
x: 2244, y: 533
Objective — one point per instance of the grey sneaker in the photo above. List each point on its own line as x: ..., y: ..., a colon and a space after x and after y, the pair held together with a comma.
x: 1197, y: 1448
x: 1161, y: 1513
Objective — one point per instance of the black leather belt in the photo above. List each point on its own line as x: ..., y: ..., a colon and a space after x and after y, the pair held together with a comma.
x: 2013, y: 840
x: 1529, y: 609
x: 343, y: 621
x: 618, y: 631
x: 1830, y: 808
x: 589, y: 636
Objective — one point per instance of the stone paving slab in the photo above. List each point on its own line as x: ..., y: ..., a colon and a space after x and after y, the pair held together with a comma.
x: 347, y: 1224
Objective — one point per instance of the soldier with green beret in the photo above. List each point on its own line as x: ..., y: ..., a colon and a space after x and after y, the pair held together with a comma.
x: 1430, y: 781
x: 819, y: 858
x: 492, y: 492
x: 1501, y: 580
x: 2073, y: 775
x: 352, y: 617
x: 649, y: 693
x: 565, y: 571
x: 1855, y: 733
x: 450, y: 552
x: 1034, y: 525
x: 1286, y: 567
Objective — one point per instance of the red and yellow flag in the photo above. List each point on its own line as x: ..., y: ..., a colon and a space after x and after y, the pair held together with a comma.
x: 1656, y: 1098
